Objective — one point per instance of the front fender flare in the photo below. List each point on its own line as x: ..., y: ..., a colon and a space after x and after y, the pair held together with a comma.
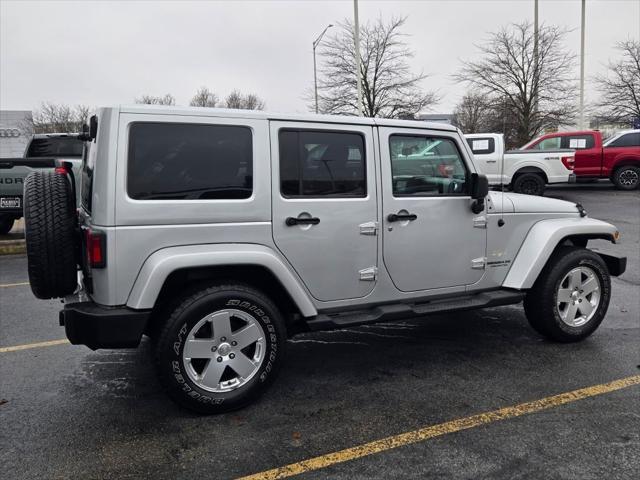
x: 542, y: 240
x: 162, y: 263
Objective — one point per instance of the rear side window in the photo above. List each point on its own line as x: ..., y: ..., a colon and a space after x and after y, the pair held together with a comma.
x: 482, y: 146
x: 628, y: 140
x: 56, y: 147
x: 577, y: 142
x: 177, y: 161
x: 322, y: 164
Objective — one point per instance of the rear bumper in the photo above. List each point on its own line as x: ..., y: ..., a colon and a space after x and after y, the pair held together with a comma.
x: 86, y: 323
x: 572, y: 178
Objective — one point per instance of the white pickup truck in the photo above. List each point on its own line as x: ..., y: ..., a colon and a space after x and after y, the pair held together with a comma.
x: 523, y: 171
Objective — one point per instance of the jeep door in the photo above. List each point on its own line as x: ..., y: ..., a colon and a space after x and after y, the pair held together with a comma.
x: 431, y: 238
x: 324, y: 205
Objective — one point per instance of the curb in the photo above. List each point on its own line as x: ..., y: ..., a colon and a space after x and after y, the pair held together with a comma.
x: 11, y: 247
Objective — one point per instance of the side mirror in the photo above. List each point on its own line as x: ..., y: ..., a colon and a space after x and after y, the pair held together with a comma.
x: 479, y: 190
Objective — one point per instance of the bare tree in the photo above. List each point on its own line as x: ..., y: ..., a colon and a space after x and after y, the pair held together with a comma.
x: 167, y: 99
x: 204, y: 98
x: 474, y: 113
x: 620, y: 87
x: 249, y: 101
x: 389, y: 88
x: 57, y: 118
x: 540, y: 94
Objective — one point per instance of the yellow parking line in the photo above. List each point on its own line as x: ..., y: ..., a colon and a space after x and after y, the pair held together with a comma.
x: 452, y: 426
x: 27, y: 346
x: 6, y: 285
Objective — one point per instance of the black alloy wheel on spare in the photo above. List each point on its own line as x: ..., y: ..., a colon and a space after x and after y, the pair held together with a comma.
x: 50, y: 232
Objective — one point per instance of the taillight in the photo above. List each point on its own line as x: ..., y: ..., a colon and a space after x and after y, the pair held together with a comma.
x: 61, y: 170
x: 96, y: 244
x: 568, y: 162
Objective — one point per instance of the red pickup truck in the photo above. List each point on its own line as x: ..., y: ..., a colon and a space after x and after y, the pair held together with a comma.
x: 617, y: 158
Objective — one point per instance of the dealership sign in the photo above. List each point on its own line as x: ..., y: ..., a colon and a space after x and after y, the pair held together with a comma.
x: 9, y: 132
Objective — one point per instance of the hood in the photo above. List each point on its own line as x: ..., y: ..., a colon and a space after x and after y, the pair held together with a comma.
x: 519, y: 203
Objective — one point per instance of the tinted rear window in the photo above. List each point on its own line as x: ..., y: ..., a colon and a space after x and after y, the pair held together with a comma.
x: 318, y: 163
x: 67, y: 147
x: 170, y: 161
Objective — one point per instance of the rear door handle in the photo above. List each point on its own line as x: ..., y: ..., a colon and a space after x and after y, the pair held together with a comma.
x: 291, y: 221
x: 398, y: 217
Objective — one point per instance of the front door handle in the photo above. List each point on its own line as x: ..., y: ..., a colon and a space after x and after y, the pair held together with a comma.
x: 398, y: 217
x: 291, y: 221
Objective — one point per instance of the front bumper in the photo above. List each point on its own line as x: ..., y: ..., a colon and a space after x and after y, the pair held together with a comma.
x: 615, y: 265
x: 87, y: 323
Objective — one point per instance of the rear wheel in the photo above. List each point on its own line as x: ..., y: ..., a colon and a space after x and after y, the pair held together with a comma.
x: 626, y: 177
x: 570, y: 297
x: 49, y: 222
x: 220, y: 348
x: 529, y: 184
x: 6, y: 224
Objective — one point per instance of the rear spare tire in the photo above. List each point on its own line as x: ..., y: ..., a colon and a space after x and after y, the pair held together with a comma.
x: 49, y: 221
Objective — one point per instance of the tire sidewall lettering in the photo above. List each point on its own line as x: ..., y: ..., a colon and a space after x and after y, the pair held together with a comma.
x: 202, y: 396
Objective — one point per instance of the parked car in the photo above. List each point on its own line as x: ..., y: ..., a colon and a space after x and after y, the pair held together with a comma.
x: 221, y: 233
x: 617, y: 158
x: 521, y: 171
x: 42, y: 152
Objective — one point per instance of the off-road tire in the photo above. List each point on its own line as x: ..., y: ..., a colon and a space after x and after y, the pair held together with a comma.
x: 50, y: 221
x: 529, y: 184
x: 626, y: 177
x: 194, y: 306
x: 6, y: 224
x: 540, y: 304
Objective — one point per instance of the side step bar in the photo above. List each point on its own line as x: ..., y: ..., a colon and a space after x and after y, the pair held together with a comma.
x: 398, y: 311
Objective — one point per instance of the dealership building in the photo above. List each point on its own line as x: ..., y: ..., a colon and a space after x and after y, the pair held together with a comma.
x: 15, y: 132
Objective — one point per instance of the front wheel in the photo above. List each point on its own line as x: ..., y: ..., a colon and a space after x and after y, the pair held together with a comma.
x: 626, y: 177
x: 571, y: 295
x: 529, y: 184
x: 220, y: 348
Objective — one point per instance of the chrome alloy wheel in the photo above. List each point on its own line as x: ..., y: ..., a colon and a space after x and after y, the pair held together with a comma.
x: 628, y: 177
x: 224, y: 350
x: 578, y: 296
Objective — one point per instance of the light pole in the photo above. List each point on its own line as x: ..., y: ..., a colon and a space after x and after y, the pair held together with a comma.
x: 582, y: 67
x: 356, y: 38
x: 316, y: 42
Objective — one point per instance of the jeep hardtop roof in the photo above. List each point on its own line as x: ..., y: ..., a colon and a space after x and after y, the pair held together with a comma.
x: 297, y: 117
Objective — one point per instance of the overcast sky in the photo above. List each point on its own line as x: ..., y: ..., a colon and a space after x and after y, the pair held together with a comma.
x: 102, y: 53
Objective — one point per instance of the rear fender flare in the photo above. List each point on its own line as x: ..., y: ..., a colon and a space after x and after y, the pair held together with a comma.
x: 542, y: 240
x: 162, y: 263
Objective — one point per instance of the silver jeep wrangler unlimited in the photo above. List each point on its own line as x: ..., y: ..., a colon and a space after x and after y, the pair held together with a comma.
x: 220, y: 233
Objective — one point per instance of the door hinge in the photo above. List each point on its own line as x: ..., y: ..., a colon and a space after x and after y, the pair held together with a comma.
x: 369, y: 228
x: 369, y: 274
x: 480, y: 222
x: 478, y: 263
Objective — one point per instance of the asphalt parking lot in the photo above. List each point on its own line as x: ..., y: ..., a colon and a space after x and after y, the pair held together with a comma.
x: 68, y: 412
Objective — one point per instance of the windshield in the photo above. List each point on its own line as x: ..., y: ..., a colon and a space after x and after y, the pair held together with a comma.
x: 57, y: 147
